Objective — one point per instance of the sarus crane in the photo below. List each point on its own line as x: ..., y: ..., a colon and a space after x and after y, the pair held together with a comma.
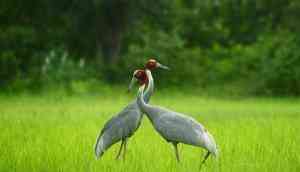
x: 175, y: 127
x: 123, y: 125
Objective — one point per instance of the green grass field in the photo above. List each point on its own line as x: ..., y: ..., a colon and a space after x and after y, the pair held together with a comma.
x: 57, y: 133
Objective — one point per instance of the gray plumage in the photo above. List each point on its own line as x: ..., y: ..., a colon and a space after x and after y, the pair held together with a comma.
x: 175, y: 127
x: 122, y: 126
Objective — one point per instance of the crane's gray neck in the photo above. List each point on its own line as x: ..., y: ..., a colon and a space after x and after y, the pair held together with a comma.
x: 150, y: 88
x: 140, y: 101
x: 146, y: 108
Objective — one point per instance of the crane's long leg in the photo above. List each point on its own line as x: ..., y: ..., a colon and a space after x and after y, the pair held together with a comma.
x: 120, y: 150
x: 124, y: 149
x: 176, y: 151
x: 205, y: 158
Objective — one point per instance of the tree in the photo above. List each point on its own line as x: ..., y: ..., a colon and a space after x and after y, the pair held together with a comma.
x: 105, y: 22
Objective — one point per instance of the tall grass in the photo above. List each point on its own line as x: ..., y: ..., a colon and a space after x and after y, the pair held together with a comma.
x: 57, y: 133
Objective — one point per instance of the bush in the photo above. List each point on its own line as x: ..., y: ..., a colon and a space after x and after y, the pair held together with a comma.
x: 61, y: 70
x: 280, y: 65
x: 266, y: 67
x: 269, y: 66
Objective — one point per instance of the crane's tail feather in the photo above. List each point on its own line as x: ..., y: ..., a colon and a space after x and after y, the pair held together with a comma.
x: 99, y: 147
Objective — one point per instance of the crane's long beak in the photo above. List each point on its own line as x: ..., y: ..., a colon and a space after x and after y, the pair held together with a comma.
x: 132, y: 82
x: 163, y: 66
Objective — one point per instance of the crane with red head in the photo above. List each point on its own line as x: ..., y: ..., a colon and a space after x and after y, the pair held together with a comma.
x: 124, y: 124
x: 174, y: 127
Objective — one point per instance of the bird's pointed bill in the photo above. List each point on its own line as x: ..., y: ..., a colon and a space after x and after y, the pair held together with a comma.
x: 162, y: 66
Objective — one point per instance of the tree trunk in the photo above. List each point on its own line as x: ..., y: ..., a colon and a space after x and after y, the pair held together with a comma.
x: 111, y: 23
x: 110, y: 45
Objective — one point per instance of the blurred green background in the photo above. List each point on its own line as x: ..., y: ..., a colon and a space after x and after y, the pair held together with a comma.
x: 65, y: 66
x: 230, y: 47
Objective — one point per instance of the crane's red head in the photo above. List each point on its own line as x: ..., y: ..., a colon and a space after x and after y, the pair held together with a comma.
x: 153, y: 64
x: 139, y: 76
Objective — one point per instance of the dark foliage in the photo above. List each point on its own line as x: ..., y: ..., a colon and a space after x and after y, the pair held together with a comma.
x: 250, y: 45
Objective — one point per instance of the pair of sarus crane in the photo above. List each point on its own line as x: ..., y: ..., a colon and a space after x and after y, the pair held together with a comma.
x: 174, y: 127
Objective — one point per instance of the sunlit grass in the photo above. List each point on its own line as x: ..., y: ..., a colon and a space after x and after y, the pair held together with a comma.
x: 58, y: 133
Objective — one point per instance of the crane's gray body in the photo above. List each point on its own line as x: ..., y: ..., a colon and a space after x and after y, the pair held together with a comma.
x: 176, y: 127
x: 121, y: 126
